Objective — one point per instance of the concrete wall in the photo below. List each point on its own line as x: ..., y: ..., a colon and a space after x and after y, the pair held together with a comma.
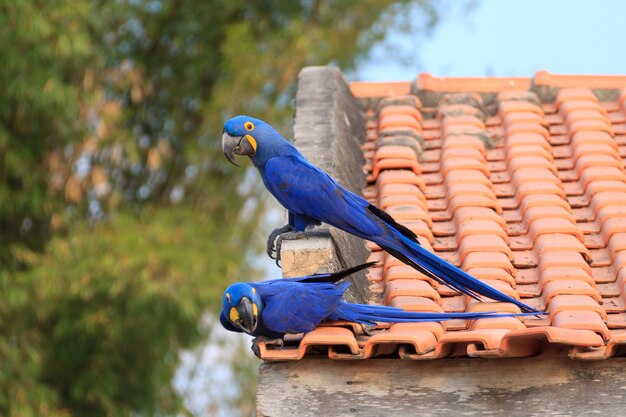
x: 329, y: 130
x: 448, y: 387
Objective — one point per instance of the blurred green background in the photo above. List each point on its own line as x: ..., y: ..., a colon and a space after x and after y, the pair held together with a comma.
x: 120, y: 221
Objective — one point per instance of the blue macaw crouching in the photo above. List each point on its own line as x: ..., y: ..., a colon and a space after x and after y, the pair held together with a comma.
x: 270, y: 309
x: 311, y: 197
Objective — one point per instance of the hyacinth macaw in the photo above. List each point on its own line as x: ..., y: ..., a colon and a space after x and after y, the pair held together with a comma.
x: 270, y: 309
x: 311, y: 197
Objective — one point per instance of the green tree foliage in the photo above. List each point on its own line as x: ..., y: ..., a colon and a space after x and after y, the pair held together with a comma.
x: 43, y: 54
x: 120, y: 223
x: 116, y: 304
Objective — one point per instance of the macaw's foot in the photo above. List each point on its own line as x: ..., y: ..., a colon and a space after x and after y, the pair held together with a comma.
x: 276, y: 238
x: 271, y: 240
x: 368, y: 329
x: 286, y: 236
x: 268, y: 342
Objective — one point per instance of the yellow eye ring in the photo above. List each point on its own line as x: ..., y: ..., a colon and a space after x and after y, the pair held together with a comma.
x: 248, y: 126
x: 228, y: 297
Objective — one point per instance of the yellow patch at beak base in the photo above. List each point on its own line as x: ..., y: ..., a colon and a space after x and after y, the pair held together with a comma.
x: 234, y: 315
x: 255, y: 309
x: 252, y: 142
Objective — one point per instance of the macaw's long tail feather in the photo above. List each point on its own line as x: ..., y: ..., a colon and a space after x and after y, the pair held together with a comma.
x: 336, y: 276
x: 458, y: 279
x: 405, y: 246
x: 370, y: 314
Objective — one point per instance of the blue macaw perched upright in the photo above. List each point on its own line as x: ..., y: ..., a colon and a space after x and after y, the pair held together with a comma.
x: 270, y: 309
x: 311, y: 196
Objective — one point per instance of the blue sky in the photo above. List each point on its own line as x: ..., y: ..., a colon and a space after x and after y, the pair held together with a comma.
x: 512, y: 37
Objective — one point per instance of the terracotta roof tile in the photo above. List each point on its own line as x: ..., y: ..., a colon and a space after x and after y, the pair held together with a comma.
x: 427, y: 82
x: 363, y: 89
x: 579, y: 81
x: 521, y: 183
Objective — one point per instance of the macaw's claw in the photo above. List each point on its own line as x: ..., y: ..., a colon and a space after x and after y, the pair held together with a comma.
x: 271, y: 240
x: 286, y: 236
x: 368, y: 329
x: 268, y: 342
x: 275, y: 240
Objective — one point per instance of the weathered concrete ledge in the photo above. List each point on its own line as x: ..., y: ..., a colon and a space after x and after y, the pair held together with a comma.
x: 447, y: 387
x: 329, y: 130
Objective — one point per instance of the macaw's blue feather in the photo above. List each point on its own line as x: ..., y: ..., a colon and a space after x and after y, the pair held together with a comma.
x: 292, y: 307
x: 312, y: 196
x: 299, y: 305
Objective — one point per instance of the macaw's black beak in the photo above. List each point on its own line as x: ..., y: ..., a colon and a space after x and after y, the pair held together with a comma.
x: 237, y: 145
x: 248, y: 315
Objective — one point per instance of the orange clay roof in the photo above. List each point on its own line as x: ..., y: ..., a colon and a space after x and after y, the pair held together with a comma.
x: 523, y: 189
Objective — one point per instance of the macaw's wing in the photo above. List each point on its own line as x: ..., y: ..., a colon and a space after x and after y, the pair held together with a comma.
x: 292, y: 307
x: 305, y: 189
x: 228, y: 325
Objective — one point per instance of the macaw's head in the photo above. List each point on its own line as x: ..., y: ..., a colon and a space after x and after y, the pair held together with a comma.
x: 242, y: 305
x: 247, y: 136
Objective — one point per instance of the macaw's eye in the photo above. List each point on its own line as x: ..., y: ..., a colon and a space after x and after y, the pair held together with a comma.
x: 249, y: 126
x: 228, y: 297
